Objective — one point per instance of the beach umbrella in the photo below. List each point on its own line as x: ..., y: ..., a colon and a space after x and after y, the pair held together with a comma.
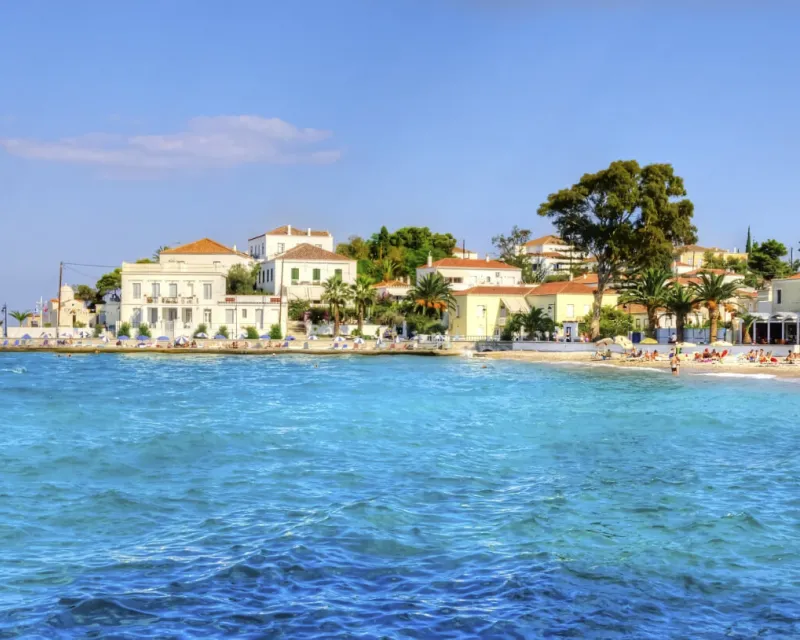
x: 649, y: 341
x: 123, y: 338
x: 26, y: 337
x: 201, y: 335
x: 605, y: 342
x: 104, y: 339
x: 682, y: 345
x: 162, y: 339
x: 219, y: 336
x: 66, y: 335
x: 45, y: 335
x: 721, y: 343
x: 141, y: 338
x: 242, y: 336
x: 182, y: 340
x: 623, y: 341
x: 266, y: 336
x: 359, y: 341
x: 313, y: 337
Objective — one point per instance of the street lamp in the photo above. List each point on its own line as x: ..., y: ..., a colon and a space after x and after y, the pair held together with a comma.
x: 4, y: 311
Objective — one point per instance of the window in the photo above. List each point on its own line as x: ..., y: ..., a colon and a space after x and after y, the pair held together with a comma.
x: 207, y: 291
x: 338, y: 273
x: 244, y: 314
x: 295, y: 274
x: 137, y: 290
x: 260, y: 317
x: 281, y: 247
x: 190, y: 288
x: 586, y: 309
x: 229, y: 318
x: 263, y: 248
x: 153, y: 315
x: 488, y: 278
x: 570, y: 311
x: 207, y: 316
x: 638, y: 323
x: 171, y: 314
x: 156, y: 288
x: 173, y: 289
x: 315, y: 275
x: 497, y: 274
x: 778, y: 296
x: 136, y: 316
x: 458, y: 311
x: 480, y: 311
x: 186, y: 316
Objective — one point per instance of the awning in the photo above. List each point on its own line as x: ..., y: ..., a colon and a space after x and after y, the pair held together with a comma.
x: 515, y: 305
x: 786, y: 316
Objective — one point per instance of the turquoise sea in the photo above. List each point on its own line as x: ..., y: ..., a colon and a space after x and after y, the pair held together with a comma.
x: 149, y: 496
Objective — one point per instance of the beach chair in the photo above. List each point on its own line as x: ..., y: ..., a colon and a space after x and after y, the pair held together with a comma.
x: 305, y: 345
x: 5, y: 343
x: 16, y: 343
x: 335, y: 345
x: 285, y: 345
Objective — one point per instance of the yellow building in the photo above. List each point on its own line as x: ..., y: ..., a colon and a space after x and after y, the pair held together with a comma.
x: 693, y: 255
x: 484, y: 311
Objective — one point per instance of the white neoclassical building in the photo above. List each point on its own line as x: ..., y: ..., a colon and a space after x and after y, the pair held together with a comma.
x: 187, y: 287
x: 300, y: 273
x: 280, y: 240
x: 464, y: 273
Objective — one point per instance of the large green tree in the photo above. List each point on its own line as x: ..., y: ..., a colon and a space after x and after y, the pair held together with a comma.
x: 765, y: 260
x: 84, y: 293
x: 511, y: 250
x: 432, y: 295
x: 241, y: 280
x: 110, y: 282
x: 712, y: 291
x: 649, y: 289
x: 625, y: 215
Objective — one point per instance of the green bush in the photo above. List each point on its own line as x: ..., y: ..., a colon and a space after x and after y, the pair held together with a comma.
x: 252, y: 333
x: 275, y: 332
x: 613, y: 322
x: 297, y: 309
x: 78, y: 324
x: 318, y: 314
x: 98, y: 331
x: 124, y: 330
x: 201, y: 328
x: 144, y: 330
x: 223, y: 330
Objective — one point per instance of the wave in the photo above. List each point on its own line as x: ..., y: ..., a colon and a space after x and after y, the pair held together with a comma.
x: 15, y: 370
x: 729, y: 374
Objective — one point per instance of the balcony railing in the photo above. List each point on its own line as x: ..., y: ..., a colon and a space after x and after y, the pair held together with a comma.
x: 171, y: 299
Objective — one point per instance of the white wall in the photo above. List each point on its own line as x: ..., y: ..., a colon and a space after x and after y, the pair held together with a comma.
x: 279, y: 272
x: 265, y: 247
x: 474, y: 277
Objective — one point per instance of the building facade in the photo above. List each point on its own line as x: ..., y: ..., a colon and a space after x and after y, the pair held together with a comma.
x: 301, y: 272
x: 280, y: 240
x: 462, y: 273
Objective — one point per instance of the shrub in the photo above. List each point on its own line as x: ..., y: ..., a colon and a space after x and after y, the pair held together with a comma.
x: 318, y: 314
x: 507, y: 335
x: 124, y: 330
x: 144, y: 330
x: 201, y: 328
x: 252, y: 333
x: 298, y: 308
x: 47, y: 325
x: 98, y: 330
x: 275, y: 332
x: 223, y: 330
x: 78, y: 324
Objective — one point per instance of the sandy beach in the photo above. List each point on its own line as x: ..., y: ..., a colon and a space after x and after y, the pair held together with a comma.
x: 687, y: 368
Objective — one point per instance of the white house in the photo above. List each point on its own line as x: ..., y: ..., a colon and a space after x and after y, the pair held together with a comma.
x: 301, y: 272
x: 280, y: 240
x: 392, y: 289
x: 187, y: 287
x: 463, y: 273
x: 553, y: 254
x: 460, y: 252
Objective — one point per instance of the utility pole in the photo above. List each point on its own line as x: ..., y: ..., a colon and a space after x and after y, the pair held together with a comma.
x: 5, y: 320
x: 58, y: 311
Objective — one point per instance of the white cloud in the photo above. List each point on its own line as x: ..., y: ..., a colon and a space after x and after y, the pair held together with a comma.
x: 219, y: 141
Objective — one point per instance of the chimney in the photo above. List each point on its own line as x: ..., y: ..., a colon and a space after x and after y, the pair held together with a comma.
x: 288, y: 229
x: 487, y: 257
x: 234, y: 247
x: 430, y: 259
x: 309, y: 232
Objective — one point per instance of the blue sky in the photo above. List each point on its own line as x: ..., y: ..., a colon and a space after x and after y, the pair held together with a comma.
x: 121, y: 125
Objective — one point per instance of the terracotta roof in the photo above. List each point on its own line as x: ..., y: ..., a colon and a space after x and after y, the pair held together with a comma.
x: 305, y: 251
x: 554, y: 288
x: 390, y: 283
x: 796, y: 276
x: 587, y: 279
x: 206, y: 246
x: 686, y: 281
x: 469, y: 263
x: 490, y: 290
x: 551, y: 239
x: 680, y: 264
x: 284, y: 231
x: 746, y: 294
x: 716, y: 272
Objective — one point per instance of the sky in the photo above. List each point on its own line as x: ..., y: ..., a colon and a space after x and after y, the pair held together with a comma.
x: 127, y: 126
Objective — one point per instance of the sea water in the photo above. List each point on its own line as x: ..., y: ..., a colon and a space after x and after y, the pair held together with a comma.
x: 254, y: 497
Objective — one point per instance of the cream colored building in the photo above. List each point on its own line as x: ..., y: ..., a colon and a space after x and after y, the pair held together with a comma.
x: 553, y: 254
x: 460, y: 252
x: 694, y: 255
x: 72, y: 312
x: 300, y: 273
x: 187, y: 287
x: 393, y: 289
x: 280, y: 240
x: 463, y: 273
x: 484, y: 310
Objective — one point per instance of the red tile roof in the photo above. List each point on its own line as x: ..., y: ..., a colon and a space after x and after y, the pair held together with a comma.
x: 555, y: 288
x: 305, y: 251
x: 716, y: 272
x: 206, y: 246
x: 499, y: 291
x: 468, y: 263
x: 550, y: 239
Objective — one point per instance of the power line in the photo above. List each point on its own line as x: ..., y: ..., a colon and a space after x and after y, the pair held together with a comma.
x: 98, y: 266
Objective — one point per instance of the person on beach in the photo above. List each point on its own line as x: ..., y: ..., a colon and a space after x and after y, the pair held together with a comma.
x: 674, y: 363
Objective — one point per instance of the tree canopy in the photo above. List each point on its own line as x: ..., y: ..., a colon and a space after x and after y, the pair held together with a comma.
x: 765, y: 260
x: 241, y: 280
x: 511, y: 250
x: 110, y: 282
x: 625, y: 215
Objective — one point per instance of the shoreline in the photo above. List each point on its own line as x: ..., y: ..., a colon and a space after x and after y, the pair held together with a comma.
x: 96, y: 350
x: 687, y: 368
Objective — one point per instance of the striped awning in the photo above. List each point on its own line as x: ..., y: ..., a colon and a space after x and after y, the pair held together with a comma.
x: 515, y: 304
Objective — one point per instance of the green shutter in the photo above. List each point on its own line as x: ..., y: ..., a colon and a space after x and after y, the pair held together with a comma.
x: 295, y: 273
x: 338, y: 273
x: 316, y: 275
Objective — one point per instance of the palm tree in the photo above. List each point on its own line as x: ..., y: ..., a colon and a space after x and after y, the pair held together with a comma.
x: 649, y: 289
x: 534, y: 321
x: 363, y: 296
x: 336, y: 294
x: 390, y: 315
x: 747, y: 319
x: 20, y: 316
x: 157, y: 252
x: 387, y: 269
x: 711, y: 291
x: 432, y: 295
x: 680, y: 301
